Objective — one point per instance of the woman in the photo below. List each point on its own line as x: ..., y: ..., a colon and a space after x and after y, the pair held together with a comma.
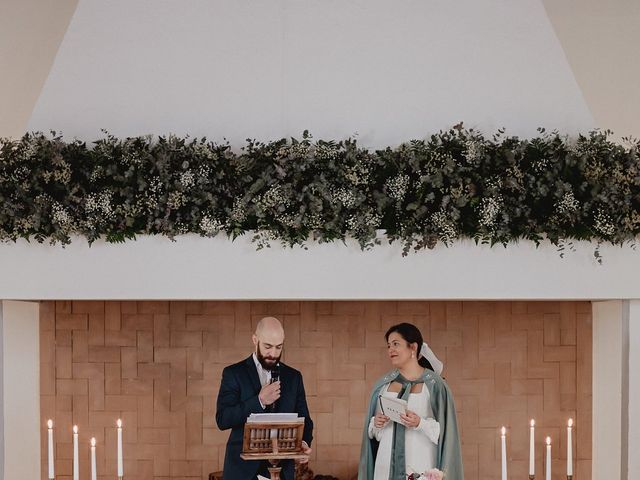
x: 428, y: 435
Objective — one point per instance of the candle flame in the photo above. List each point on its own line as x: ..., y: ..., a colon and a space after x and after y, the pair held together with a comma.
x: 548, y: 440
x: 75, y: 429
x: 503, y: 430
x: 570, y: 422
x: 93, y: 441
x: 50, y: 423
x: 533, y: 422
x: 119, y: 422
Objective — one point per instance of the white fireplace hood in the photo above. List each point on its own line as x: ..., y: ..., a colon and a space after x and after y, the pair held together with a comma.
x: 193, y: 267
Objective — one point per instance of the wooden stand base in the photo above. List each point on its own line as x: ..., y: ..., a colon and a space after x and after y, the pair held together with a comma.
x: 274, y: 472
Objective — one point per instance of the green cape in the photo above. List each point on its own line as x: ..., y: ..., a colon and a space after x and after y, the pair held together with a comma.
x: 449, y: 458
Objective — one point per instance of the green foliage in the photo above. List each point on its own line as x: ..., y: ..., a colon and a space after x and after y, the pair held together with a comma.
x: 455, y: 184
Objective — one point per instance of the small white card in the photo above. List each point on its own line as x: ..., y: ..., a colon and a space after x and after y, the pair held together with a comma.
x: 260, y: 477
x: 392, y: 407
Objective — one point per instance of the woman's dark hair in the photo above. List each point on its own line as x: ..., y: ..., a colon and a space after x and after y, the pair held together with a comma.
x: 412, y: 335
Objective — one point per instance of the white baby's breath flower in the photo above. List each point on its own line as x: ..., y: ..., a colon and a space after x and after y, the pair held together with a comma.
x: 567, y: 203
x: 61, y: 216
x: 540, y: 164
x: 325, y: 152
x: 288, y: 220
x: 359, y: 172
x: 204, y: 150
x: 594, y: 170
x: 100, y: 204
x: 474, y: 149
x: 344, y: 196
x: 489, y: 209
x: 314, y: 221
x: 294, y: 150
x: 187, y: 179
x: 273, y: 197
x: 156, y: 186
x: 209, y: 225
x: 494, y: 183
x: 369, y: 219
x: 397, y: 186
x: 238, y: 211
x: 131, y: 158
x: 62, y: 173
x: 203, y: 171
x: 444, y: 225
x: 176, y: 200
x: 604, y: 224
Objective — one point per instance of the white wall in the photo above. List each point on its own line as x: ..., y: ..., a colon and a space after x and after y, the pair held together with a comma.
x: 1, y: 391
x: 606, y: 30
x: 388, y: 70
x: 21, y: 409
x: 616, y: 389
x: 608, y: 386
x: 634, y: 390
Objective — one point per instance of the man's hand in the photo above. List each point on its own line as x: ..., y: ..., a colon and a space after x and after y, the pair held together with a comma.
x: 306, y: 449
x: 269, y: 393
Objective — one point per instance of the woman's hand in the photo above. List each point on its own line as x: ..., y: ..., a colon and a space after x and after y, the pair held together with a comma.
x: 410, y: 419
x: 306, y: 449
x: 380, y: 420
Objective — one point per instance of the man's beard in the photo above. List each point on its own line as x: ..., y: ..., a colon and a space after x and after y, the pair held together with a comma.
x: 268, y: 363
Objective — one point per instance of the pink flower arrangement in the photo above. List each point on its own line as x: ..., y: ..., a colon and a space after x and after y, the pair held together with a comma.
x: 433, y: 474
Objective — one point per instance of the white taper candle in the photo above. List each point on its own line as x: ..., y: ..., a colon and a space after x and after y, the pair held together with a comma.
x: 120, y: 463
x: 76, y: 469
x: 569, y: 449
x: 503, y: 437
x: 50, y: 449
x: 548, y: 464
x: 532, y: 448
x: 93, y: 459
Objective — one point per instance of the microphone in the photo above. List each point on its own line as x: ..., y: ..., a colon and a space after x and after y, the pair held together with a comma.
x: 275, y: 376
x: 275, y: 373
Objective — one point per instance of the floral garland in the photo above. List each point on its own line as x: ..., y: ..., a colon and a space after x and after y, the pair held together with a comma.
x: 455, y: 184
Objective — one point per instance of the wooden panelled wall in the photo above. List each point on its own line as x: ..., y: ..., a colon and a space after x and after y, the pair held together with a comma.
x: 157, y: 365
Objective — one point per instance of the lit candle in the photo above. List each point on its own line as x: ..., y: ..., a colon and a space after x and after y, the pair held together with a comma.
x: 504, y: 453
x: 532, y: 449
x: 76, y: 470
x: 120, y: 466
x: 93, y: 459
x: 50, y: 449
x: 569, y: 449
x: 548, y: 465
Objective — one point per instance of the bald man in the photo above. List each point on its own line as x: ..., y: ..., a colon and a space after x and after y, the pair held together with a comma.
x: 247, y: 388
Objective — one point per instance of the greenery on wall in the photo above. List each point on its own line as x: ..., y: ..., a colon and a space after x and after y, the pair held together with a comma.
x: 455, y: 184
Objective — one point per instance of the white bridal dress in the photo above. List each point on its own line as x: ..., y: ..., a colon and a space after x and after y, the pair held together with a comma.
x: 420, y: 442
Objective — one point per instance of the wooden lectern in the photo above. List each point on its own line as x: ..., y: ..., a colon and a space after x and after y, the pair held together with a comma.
x: 273, y: 441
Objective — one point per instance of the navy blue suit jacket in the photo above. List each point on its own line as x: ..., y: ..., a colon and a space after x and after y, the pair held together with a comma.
x: 238, y: 398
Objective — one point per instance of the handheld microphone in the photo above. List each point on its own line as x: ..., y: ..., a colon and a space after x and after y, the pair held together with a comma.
x: 275, y: 373
x: 275, y: 376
